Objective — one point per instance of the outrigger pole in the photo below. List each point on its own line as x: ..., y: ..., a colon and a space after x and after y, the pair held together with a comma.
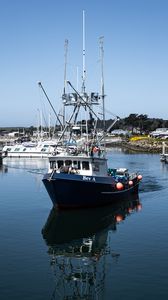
x: 109, y: 128
x: 40, y: 85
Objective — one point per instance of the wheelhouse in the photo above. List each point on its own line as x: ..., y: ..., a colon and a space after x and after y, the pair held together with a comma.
x: 78, y: 165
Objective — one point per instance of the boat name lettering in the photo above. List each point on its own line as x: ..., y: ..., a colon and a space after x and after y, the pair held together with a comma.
x: 87, y: 178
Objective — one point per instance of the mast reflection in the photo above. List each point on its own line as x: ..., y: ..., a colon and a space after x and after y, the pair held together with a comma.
x: 3, y: 168
x: 79, y: 247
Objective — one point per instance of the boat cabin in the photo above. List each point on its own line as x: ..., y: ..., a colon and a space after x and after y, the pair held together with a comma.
x: 79, y: 165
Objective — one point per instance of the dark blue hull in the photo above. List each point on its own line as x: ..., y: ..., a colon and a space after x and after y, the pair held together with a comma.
x: 77, y: 191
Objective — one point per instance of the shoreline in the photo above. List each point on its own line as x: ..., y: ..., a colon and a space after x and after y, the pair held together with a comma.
x: 142, y: 146
x: 139, y: 145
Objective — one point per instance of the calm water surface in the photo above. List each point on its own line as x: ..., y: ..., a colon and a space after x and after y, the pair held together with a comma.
x: 116, y: 252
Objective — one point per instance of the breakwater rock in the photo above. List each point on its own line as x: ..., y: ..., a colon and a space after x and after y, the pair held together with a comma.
x: 149, y: 146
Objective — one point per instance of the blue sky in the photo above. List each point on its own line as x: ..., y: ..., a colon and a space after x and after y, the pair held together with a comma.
x: 33, y: 33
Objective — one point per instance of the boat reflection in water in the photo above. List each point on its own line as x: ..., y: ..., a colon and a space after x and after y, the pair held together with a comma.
x: 3, y: 169
x: 79, y: 245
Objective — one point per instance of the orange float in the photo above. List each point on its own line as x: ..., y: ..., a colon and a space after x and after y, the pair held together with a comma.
x: 130, y: 183
x: 119, y: 218
x: 139, y: 207
x: 139, y: 177
x: 119, y: 186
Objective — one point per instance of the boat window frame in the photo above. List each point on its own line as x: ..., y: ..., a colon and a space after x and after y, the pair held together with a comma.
x: 76, y: 164
x: 86, y: 163
x: 58, y: 163
x: 69, y: 162
x: 52, y: 164
x: 96, y: 167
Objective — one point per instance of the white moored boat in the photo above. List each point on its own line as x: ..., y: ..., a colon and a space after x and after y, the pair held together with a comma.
x: 39, y: 149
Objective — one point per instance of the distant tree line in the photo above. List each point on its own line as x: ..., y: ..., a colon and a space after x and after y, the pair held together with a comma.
x: 138, y: 122
x: 133, y: 123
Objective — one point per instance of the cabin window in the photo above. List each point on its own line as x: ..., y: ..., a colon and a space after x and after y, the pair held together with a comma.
x: 60, y: 163
x: 24, y: 149
x: 8, y: 149
x: 96, y: 167
x: 76, y: 164
x: 43, y: 149
x: 85, y: 165
x: 52, y: 164
x: 68, y: 162
x: 17, y: 149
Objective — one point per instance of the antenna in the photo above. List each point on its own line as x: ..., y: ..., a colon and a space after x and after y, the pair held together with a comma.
x: 84, y: 68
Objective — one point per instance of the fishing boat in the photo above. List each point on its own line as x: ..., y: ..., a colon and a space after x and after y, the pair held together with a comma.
x: 81, y: 177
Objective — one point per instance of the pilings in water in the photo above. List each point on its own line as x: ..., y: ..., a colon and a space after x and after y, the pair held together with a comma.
x: 164, y: 154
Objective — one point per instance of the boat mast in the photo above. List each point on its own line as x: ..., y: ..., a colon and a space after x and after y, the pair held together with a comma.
x: 84, y: 73
x: 102, y: 77
x: 84, y: 67
x: 41, y: 126
x: 84, y: 101
x: 38, y: 125
x: 49, y: 125
x: 65, y: 73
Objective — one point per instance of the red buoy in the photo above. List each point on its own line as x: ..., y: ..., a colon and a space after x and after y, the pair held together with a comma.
x: 119, y: 186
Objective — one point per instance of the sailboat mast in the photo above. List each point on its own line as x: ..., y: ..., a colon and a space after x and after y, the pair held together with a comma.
x: 49, y: 125
x: 84, y: 67
x: 41, y: 126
